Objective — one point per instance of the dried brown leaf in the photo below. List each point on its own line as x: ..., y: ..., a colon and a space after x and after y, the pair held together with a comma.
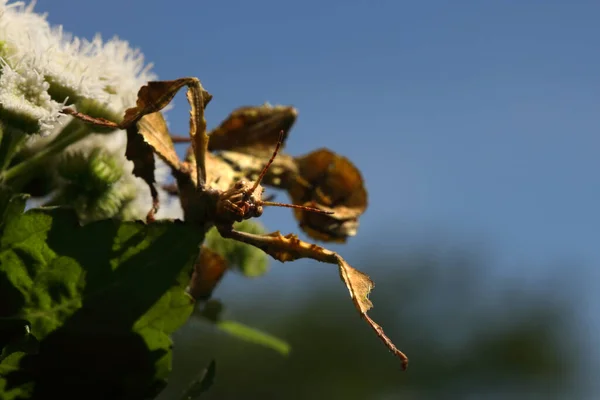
x: 290, y: 248
x: 150, y: 134
x: 321, y: 179
x: 147, y: 133
x: 155, y: 95
x: 253, y: 129
x: 140, y: 152
x: 151, y: 99
x: 281, y: 172
x: 198, y: 135
x: 153, y: 128
x: 220, y: 174
x: 209, y: 268
x: 329, y: 182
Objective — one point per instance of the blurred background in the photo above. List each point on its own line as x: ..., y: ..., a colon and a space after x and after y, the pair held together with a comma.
x: 475, y: 127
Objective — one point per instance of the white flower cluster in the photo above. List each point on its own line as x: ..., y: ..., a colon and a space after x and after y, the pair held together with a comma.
x: 43, y: 68
x: 109, y: 73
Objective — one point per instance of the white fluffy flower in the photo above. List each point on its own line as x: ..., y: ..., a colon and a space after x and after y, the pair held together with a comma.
x: 43, y: 68
x: 25, y: 101
x: 108, y: 72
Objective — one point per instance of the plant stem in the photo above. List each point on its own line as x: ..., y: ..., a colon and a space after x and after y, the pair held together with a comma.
x: 10, y: 143
x: 73, y: 132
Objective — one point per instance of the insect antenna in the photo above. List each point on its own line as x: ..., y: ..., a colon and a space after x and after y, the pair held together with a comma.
x: 305, y: 208
x: 264, y: 172
x: 266, y: 168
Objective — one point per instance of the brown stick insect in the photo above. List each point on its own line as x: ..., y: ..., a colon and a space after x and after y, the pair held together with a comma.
x: 209, y: 199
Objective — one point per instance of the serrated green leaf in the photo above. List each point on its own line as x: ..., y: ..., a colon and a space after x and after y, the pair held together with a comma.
x: 250, y: 260
x: 102, y: 299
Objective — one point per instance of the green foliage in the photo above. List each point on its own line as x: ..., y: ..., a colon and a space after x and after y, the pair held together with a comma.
x: 252, y: 262
x: 10, y: 205
x: 212, y: 312
x: 253, y: 335
x: 102, y: 300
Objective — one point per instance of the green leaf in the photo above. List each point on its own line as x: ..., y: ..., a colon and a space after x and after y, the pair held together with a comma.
x: 204, y: 383
x: 250, y: 260
x: 102, y: 300
x: 211, y: 312
x: 11, y: 206
x: 249, y: 334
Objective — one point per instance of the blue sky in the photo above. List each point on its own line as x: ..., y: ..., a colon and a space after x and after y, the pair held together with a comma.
x: 472, y: 119
x: 474, y: 115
